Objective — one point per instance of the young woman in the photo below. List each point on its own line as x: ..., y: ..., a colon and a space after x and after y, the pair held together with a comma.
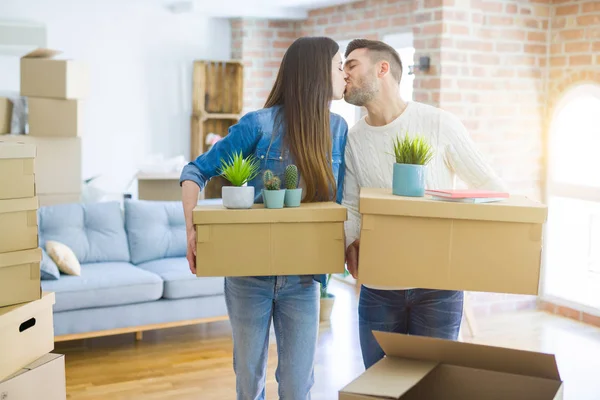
x: 294, y: 127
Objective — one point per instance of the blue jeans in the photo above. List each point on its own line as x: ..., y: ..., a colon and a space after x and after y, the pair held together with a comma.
x: 292, y: 302
x: 424, y: 312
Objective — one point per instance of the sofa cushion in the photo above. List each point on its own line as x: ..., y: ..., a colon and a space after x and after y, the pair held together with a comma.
x: 155, y: 229
x: 49, y: 269
x: 104, y: 284
x: 95, y: 231
x: 180, y: 282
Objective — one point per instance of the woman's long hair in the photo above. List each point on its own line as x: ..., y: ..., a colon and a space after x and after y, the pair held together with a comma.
x: 304, y: 88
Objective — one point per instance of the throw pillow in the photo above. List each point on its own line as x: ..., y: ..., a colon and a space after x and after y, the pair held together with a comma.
x: 64, y: 257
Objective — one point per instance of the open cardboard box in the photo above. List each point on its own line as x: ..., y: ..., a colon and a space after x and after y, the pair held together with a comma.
x: 20, y: 277
x: 17, y: 162
x: 419, y: 367
x: 303, y: 240
x: 27, y: 333
x: 425, y: 243
x: 42, y: 379
x: 43, y: 75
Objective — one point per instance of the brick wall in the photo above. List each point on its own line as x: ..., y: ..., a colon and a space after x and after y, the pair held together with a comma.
x: 499, y: 65
x: 261, y: 44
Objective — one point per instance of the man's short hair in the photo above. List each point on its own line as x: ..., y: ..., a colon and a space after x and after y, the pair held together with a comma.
x: 378, y: 51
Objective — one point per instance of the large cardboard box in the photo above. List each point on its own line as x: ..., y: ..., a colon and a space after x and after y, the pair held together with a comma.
x: 42, y: 379
x: 256, y: 242
x: 6, y: 109
x: 44, y: 76
x: 27, y: 333
x: 418, y: 367
x: 57, y: 163
x: 17, y: 162
x: 20, y: 276
x: 55, y: 118
x: 61, y: 198
x: 425, y: 243
x: 18, y: 224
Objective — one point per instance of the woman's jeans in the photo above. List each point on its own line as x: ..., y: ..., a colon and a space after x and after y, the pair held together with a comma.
x: 292, y: 303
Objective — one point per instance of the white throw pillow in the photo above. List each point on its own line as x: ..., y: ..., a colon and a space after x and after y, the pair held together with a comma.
x: 63, y: 256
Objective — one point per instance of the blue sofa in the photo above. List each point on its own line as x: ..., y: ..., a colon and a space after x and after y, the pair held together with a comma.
x: 135, y: 276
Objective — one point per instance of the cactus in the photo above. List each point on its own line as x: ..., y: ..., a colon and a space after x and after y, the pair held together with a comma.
x: 273, y: 184
x: 291, y: 177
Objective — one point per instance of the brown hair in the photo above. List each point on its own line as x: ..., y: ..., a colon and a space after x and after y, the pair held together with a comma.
x: 304, y: 88
x: 378, y: 51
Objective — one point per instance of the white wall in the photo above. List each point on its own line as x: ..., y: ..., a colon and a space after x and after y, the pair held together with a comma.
x: 140, y: 59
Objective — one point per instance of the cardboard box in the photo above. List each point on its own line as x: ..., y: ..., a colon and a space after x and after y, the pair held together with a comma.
x: 18, y: 224
x: 44, y: 76
x: 159, y: 187
x: 20, y: 277
x: 261, y: 242
x: 27, y: 333
x: 418, y: 367
x: 55, y: 118
x: 17, y: 162
x: 57, y: 163
x: 63, y: 198
x: 42, y: 379
x: 6, y: 109
x: 425, y: 243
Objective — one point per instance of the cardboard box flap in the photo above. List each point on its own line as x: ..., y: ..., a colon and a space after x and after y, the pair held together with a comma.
x: 14, y: 205
x: 42, y: 53
x: 469, y: 355
x: 390, y: 378
x: 16, y: 150
x: 258, y: 214
x: 22, y: 312
x: 514, y: 209
x: 20, y: 257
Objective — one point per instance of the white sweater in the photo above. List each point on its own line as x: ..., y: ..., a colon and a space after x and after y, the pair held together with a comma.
x: 369, y: 163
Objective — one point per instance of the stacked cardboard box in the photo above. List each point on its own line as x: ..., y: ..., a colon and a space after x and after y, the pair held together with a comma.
x: 6, y: 109
x: 26, y: 322
x: 55, y: 91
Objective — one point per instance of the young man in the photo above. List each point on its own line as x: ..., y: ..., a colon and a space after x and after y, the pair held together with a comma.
x: 373, y: 73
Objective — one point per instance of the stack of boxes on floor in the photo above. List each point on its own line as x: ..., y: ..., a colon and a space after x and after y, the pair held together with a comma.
x: 55, y: 91
x: 28, y: 370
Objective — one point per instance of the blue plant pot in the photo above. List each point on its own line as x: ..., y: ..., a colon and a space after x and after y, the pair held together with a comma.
x: 273, y: 198
x: 409, y: 180
x: 293, y: 197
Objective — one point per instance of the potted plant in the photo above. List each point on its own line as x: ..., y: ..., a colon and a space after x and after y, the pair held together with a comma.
x: 327, y: 300
x: 293, y: 194
x: 239, y: 171
x: 412, y: 156
x: 273, y: 195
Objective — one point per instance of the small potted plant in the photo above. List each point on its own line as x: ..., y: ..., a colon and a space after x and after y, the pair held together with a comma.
x: 293, y: 194
x: 412, y: 156
x: 273, y: 195
x: 327, y: 300
x: 239, y: 171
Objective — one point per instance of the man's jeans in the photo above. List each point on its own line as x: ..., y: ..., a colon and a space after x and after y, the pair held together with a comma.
x: 292, y: 302
x: 424, y: 312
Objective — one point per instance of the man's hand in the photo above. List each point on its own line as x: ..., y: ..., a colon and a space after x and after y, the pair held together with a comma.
x: 191, y: 250
x: 352, y: 258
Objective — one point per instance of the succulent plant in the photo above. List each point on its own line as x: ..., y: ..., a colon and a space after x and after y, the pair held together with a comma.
x: 271, y: 182
x: 291, y: 177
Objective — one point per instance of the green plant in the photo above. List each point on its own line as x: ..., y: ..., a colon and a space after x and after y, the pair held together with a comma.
x: 291, y: 177
x: 324, y: 293
x: 239, y: 170
x: 416, y: 151
x: 270, y: 181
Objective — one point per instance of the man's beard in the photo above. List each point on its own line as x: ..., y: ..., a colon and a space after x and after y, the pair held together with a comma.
x: 361, y: 95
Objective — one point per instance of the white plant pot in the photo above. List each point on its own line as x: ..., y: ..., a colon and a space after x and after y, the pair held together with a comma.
x: 237, y: 196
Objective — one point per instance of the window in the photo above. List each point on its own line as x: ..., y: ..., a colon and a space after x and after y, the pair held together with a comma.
x: 572, y: 248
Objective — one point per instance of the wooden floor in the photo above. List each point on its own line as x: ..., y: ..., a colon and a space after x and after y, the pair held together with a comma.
x: 195, y: 362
